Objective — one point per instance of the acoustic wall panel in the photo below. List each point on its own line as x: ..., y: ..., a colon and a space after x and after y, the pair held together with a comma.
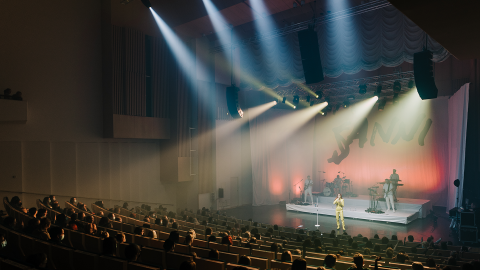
x: 36, y: 167
x: 88, y: 170
x: 63, y: 164
x: 11, y: 160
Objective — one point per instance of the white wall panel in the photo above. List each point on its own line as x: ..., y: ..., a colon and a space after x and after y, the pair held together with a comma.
x: 104, y: 183
x: 125, y: 176
x: 11, y: 160
x: 136, y: 181
x: 115, y: 183
x: 63, y: 165
x: 36, y: 167
x: 88, y: 170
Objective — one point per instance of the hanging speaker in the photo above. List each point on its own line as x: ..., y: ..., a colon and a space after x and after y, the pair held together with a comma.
x: 312, y: 64
x: 220, y: 193
x: 232, y: 102
x: 423, y: 71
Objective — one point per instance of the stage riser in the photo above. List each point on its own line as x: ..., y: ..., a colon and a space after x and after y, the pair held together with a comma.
x: 407, y: 210
x: 362, y: 202
x: 401, y: 217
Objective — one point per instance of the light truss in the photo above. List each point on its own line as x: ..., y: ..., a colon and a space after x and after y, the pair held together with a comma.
x: 337, y: 92
x: 363, y: 8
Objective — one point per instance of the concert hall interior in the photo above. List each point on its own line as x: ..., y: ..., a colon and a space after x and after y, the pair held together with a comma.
x: 177, y: 127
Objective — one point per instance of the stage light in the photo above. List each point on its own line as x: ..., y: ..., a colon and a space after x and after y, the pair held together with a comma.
x: 275, y: 102
x: 147, y: 3
x: 296, y: 99
x: 375, y: 98
x: 362, y: 89
x: 284, y: 99
x: 395, y: 98
x: 294, y: 107
x: 381, y: 104
x: 378, y: 91
x: 318, y: 94
x: 307, y: 98
x: 346, y: 103
x: 311, y: 103
x: 411, y: 84
x: 321, y: 112
x: 397, y: 87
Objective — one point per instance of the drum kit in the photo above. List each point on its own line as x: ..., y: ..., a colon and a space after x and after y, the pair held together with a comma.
x: 338, y: 185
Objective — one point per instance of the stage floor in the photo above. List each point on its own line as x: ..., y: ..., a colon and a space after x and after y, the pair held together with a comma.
x: 407, y: 210
x: 278, y: 214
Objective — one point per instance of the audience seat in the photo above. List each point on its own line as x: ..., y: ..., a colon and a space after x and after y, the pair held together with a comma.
x: 239, y: 250
x: 209, y: 264
x: 201, y: 252
x: 11, y: 265
x: 217, y: 246
x: 137, y: 266
x: 260, y: 263
x: 278, y: 265
x: 76, y: 239
x: 173, y: 260
x: 231, y: 266
x: 26, y: 243
x: 154, y: 243
x: 314, y: 261
x: 141, y: 241
x: 111, y: 263
x: 44, y: 247
x: 61, y: 257
x: 93, y: 243
x: 85, y: 260
x: 153, y: 256
x: 229, y: 257
x: 341, y: 265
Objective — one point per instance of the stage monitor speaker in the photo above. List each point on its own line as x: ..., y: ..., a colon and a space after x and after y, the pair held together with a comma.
x: 467, y: 219
x: 220, y: 193
x: 283, y: 202
x: 468, y: 234
x: 232, y: 102
x: 312, y: 64
x: 423, y: 71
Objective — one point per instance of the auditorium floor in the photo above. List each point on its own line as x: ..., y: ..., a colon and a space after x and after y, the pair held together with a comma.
x: 277, y: 214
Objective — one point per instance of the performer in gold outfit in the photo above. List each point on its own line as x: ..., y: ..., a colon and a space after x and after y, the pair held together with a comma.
x: 339, y: 210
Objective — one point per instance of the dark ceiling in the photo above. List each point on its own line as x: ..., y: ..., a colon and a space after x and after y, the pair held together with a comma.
x: 453, y: 24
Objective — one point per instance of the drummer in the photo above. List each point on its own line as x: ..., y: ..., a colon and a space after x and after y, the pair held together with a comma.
x: 337, y: 183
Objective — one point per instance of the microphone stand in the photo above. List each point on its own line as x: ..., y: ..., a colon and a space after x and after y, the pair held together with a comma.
x: 317, y: 225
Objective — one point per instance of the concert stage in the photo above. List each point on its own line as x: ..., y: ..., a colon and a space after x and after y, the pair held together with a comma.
x: 407, y: 210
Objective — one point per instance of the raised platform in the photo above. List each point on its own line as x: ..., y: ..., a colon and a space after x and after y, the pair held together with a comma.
x: 407, y: 209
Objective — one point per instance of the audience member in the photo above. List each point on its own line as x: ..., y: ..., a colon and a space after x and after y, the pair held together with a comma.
x: 389, y: 253
x: 132, y: 252
x: 138, y: 231
x: 109, y: 246
x: 73, y: 201
x: 120, y: 237
x: 330, y: 261
x: 245, y: 260
x: 105, y: 222
x: 42, y: 231
x: 169, y: 245
x: 366, y: 251
x: 41, y: 213
x: 410, y: 238
x: 417, y: 266
x: 430, y: 263
x: 57, y: 235
x: 32, y: 212
x: 286, y: 256
x: 188, y: 265
x: 299, y: 264
x: 452, y: 261
x: 357, y: 262
x: 213, y: 254
x: 38, y: 260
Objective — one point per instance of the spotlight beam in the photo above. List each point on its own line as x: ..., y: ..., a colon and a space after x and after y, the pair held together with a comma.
x: 183, y: 55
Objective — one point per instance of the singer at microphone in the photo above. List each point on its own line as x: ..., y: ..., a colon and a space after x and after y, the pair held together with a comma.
x: 339, y: 210
x: 308, y: 188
